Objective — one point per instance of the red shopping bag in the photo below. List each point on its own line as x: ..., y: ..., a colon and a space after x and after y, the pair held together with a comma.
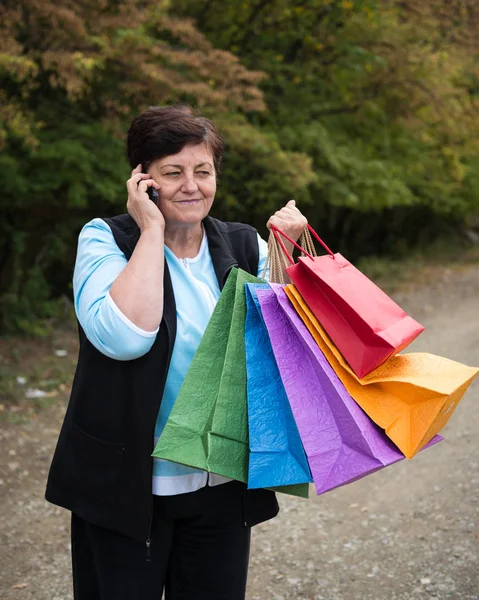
x: 366, y: 325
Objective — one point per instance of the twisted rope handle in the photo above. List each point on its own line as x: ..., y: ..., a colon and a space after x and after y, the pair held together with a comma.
x: 276, y: 262
x: 323, y: 244
x: 277, y: 233
x: 306, y: 242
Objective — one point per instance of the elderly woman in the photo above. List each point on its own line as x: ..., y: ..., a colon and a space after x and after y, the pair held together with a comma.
x: 145, y: 285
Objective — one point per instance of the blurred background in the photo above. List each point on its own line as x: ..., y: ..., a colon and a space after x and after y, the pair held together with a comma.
x: 366, y: 112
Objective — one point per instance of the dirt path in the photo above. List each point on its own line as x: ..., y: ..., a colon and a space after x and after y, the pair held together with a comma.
x: 410, y: 531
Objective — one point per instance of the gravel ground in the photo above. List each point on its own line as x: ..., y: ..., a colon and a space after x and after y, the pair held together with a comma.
x: 407, y: 532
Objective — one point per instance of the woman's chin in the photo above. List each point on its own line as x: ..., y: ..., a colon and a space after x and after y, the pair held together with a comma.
x: 188, y: 213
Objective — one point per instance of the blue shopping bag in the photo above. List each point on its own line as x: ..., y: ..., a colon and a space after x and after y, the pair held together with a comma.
x: 277, y: 456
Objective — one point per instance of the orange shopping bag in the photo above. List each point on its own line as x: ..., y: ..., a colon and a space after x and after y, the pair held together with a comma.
x: 410, y: 396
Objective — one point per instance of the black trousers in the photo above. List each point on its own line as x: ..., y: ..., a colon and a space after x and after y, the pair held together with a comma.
x: 199, y: 551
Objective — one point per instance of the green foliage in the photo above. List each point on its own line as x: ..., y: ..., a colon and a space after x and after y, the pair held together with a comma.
x: 378, y: 96
x: 47, y: 194
x: 257, y: 173
x: 73, y: 76
x: 365, y: 112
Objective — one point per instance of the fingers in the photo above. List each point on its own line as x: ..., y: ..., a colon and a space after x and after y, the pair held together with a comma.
x: 144, y: 184
x: 288, y: 213
x: 291, y: 213
x: 139, y: 182
x: 292, y: 208
x: 145, y: 213
x: 138, y: 177
x: 289, y: 220
x: 132, y: 183
x: 277, y: 221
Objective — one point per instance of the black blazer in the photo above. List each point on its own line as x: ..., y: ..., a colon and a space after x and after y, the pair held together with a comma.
x: 102, y: 465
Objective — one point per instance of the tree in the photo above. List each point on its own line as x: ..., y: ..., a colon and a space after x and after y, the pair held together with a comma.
x: 365, y: 111
x: 73, y: 74
x: 383, y: 98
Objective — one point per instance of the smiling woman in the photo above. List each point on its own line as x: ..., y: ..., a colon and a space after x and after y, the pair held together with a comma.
x: 145, y: 286
x: 187, y: 187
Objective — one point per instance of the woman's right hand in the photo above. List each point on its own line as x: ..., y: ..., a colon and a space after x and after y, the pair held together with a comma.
x: 145, y: 212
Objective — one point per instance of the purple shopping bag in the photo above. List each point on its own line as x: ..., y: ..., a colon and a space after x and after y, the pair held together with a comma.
x: 342, y: 443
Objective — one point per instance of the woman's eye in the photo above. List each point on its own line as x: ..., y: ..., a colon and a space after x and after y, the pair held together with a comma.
x: 203, y: 172
x: 173, y: 174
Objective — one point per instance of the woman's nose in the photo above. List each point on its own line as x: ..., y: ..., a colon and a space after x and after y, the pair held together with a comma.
x: 189, y: 185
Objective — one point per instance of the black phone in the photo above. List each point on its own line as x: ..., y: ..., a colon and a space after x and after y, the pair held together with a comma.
x: 153, y: 195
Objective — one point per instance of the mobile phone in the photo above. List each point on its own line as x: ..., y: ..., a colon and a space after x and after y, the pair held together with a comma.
x: 153, y: 194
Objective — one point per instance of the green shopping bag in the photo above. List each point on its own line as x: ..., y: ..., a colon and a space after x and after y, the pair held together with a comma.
x: 208, y: 425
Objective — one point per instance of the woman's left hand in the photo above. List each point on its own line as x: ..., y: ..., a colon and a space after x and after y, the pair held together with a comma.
x: 290, y: 221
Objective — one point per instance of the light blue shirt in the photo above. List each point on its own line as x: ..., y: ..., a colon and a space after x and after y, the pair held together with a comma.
x: 99, y: 262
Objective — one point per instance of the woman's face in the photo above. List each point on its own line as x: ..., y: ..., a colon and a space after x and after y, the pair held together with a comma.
x: 188, y: 185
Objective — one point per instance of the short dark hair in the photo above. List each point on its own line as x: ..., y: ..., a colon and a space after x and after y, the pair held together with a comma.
x: 164, y: 130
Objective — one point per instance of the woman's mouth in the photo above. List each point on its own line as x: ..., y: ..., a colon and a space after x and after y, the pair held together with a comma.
x: 190, y: 202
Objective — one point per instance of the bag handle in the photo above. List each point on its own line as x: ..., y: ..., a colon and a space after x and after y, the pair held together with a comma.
x: 306, y: 241
x: 277, y: 232
x: 323, y: 244
x: 276, y: 262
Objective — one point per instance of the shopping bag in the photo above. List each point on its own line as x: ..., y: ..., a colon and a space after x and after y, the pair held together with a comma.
x: 411, y: 396
x: 277, y: 456
x: 207, y: 427
x: 366, y: 325
x: 341, y: 442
